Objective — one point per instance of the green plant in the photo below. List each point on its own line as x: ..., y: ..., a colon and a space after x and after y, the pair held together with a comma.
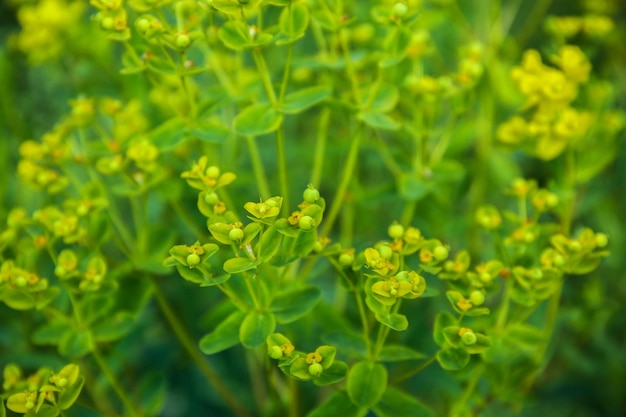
x: 366, y: 195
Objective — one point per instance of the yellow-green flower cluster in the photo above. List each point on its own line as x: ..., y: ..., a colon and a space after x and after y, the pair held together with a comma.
x: 549, y: 91
x: 46, y: 27
x: 43, y: 393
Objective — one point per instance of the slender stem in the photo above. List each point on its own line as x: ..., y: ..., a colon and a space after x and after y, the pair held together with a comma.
x: 265, y: 75
x: 343, y: 184
x: 414, y: 371
x: 282, y: 170
x: 257, y: 167
x: 189, y: 345
x: 364, y: 322
x: 350, y: 67
x: 108, y: 373
x: 283, y: 85
x: 320, y: 147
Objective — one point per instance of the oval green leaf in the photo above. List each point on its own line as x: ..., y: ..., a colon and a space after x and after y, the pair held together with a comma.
x: 396, y: 403
x: 289, y: 306
x: 257, y: 119
x: 294, y: 20
x: 225, y: 335
x: 255, y: 329
x: 453, y: 359
x: 300, y: 100
x: 367, y: 383
x: 236, y: 265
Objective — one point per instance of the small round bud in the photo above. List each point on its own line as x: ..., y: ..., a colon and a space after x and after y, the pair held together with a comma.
x: 315, y: 369
x: 107, y: 23
x: 306, y: 223
x: 318, y: 247
x: 182, y: 41
x: 29, y: 405
x: 535, y: 273
x: 211, y: 198
x: 396, y: 231
x: 213, y: 171
x: 485, y: 277
x: 235, y: 235
x: 276, y: 352
x: 346, y: 259
x: 601, y: 240
x: 448, y: 266
x: 399, y: 9
x: 552, y: 200
x: 142, y: 24
x: 574, y: 246
x: 61, y: 382
x: 193, y: 260
x: 440, y: 253
x: 469, y: 338
x: 311, y: 195
x: 60, y: 271
x: 20, y: 281
x: 477, y: 297
x: 385, y: 251
x: 559, y: 260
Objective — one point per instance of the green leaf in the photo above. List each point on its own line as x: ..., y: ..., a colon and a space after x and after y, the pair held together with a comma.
x: 113, y: 327
x: 257, y: 119
x: 75, y: 345
x: 68, y: 396
x: 236, y: 265
x: 351, y: 344
x: 195, y: 274
x: 46, y: 296
x: 396, y: 353
x: 453, y: 359
x: 18, y: 299
x: 255, y: 329
x: 235, y: 35
x: 413, y: 187
x: 268, y: 244
x: 396, y: 44
x: 367, y: 382
x: 168, y: 135
x: 50, y: 333
x: 300, y: 100
x: 294, y: 20
x: 290, y: 305
x: 46, y: 410
x: 225, y: 335
x: 396, y: 403
x: 210, y: 130
x: 151, y: 393
x: 378, y: 120
x: 338, y: 405
x: 385, y: 99
x: 396, y: 321
x: 333, y: 374
x: 305, y: 241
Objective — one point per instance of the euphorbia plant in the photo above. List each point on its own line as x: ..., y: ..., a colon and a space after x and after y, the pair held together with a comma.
x: 352, y: 195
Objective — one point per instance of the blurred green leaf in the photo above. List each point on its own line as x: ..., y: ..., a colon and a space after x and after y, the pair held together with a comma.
x: 255, y: 329
x: 225, y: 335
x: 257, y: 119
x: 367, y: 382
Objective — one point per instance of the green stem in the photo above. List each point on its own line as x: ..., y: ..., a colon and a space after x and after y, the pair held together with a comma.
x: 282, y: 170
x: 283, y: 85
x: 340, y: 194
x: 414, y: 371
x: 257, y: 167
x: 345, y: 48
x: 106, y: 370
x: 265, y: 76
x: 320, y: 147
x: 189, y: 345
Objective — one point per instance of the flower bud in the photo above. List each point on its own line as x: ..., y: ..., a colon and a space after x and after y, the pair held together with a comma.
x: 477, y: 297
x: 182, y: 41
x: 306, y: 223
x: 440, y: 253
x: 311, y: 195
x: 276, y: 352
x: 193, y: 260
x: 396, y: 231
x: 469, y: 338
x: 315, y: 369
x: 235, y: 235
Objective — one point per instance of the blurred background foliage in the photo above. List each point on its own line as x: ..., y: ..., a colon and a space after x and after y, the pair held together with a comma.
x: 586, y: 373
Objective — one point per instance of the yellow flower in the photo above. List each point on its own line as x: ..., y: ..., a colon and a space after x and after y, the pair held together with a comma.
x: 573, y: 63
x: 380, y: 265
